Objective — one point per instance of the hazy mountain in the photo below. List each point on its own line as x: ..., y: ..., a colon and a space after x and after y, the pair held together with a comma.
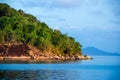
x: 97, y: 52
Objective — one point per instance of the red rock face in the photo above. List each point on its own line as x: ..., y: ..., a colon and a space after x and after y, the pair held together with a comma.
x: 2, y: 50
x: 14, y: 50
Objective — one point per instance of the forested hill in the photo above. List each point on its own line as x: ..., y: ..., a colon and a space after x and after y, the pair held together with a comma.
x: 18, y: 27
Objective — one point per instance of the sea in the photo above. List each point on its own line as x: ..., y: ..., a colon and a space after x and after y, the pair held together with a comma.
x: 99, y: 68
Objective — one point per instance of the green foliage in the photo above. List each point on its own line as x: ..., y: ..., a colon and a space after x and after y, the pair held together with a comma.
x: 17, y: 26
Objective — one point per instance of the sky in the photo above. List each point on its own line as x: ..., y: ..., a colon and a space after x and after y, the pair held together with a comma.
x: 91, y: 22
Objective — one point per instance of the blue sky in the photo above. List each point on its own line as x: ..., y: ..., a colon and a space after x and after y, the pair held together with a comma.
x: 91, y: 22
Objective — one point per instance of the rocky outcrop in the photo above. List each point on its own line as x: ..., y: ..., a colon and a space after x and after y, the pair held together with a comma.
x: 14, y: 50
x: 82, y: 57
x: 25, y: 52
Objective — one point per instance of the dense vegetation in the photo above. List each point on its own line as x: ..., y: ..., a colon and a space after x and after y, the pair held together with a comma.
x: 19, y: 27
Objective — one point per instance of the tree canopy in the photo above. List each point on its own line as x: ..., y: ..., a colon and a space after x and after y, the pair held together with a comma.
x: 17, y: 26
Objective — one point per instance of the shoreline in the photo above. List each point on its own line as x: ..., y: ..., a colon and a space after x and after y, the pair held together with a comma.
x: 42, y: 58
x: 27, y: 52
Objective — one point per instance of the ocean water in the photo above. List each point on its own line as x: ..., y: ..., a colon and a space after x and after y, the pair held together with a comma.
x: 100, y: 68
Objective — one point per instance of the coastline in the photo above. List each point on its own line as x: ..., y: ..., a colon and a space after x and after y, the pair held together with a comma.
x: 25, y: 52
x: 43, y: 58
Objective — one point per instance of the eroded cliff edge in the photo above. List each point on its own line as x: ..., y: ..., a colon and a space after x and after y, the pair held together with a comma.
x: 26, y: 52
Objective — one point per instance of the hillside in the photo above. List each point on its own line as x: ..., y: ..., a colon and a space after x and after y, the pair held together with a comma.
x: 18, y: 28
x: 97, y: 52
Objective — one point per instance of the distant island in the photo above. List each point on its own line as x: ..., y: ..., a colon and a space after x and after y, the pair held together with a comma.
x: 23, y: 37
x: 97, y: 52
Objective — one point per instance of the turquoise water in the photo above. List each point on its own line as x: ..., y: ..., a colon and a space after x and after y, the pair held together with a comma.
x: 100, y: 68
